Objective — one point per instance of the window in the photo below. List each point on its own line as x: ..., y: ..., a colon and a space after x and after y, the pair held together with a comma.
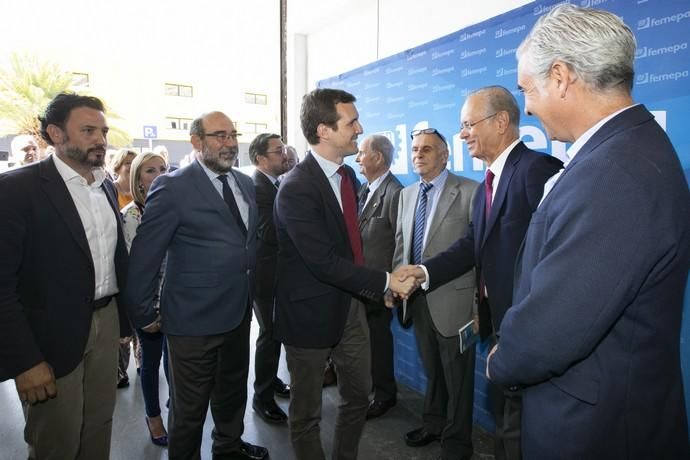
x: 254, y: 98
x: 181, y: 124
x: 253, y: 127
x: 80, y: 80
x: 173, y: 89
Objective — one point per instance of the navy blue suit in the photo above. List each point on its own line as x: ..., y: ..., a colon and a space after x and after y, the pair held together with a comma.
x: 493, y: 246
x: 205, y: 301
x: 593, y: 335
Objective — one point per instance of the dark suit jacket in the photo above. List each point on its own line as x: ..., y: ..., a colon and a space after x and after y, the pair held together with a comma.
x: 377, y: 224
x: 209, y: 272
x: 266, y: 241
x: 47, y: 275
x: 594, y: 332
x: 317, y: 274
x: 492, y: 248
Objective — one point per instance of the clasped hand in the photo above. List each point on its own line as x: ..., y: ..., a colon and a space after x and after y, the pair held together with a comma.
x: 404, y: 281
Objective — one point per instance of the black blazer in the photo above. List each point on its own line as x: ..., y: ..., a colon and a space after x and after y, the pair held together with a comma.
x: 47, y: 275
x: 493, y: 247
x: 317, y: 275
x: 266, y: 241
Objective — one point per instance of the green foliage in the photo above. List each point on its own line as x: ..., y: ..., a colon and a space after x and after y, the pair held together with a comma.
x: 27, y: 85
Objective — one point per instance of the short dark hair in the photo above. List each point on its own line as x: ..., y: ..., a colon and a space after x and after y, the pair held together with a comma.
x: 197, y: 127
x: 259, y: 146
x: 319, y: 107
x: 59, y: 109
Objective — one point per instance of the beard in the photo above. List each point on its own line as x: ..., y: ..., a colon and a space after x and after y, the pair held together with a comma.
x: 84, y: 158
x: 220, y: 162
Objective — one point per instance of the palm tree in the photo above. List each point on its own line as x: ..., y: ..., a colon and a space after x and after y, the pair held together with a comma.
x: 26, y: 87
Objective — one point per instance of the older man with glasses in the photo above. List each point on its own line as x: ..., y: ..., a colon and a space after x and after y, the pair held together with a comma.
x: 431, y: 214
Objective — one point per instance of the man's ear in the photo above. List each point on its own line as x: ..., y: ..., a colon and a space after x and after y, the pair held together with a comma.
x: 563, y: 77
x: 56, y: 134
x: 196, y: 142
x: 322, y: 131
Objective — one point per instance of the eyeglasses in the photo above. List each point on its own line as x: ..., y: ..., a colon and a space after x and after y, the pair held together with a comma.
x: 468, y: 126
x: 417, y: 132
x: 222, y: 136
x: 281, y: 152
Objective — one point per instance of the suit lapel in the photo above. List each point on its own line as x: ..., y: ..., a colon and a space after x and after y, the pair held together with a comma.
x: 253, y: 212
x: 450, y: 191
x: 203, y: 183
x: 58, y: 194
x: 374, y: 202
x: 502, y: 191
x: 324, y: 186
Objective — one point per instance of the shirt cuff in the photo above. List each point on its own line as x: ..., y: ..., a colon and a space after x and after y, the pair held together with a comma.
x: 425, y: 284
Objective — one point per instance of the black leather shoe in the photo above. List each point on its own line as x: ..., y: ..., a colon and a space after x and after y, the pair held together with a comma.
x: 269, y: 411
x: 247, y: 452
x: 420, y: 437
x: 281, y: 389
x: 252, y: 452
x: 378, y: 408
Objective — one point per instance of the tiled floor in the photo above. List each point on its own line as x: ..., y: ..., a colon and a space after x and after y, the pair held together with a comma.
x: 382, y: 438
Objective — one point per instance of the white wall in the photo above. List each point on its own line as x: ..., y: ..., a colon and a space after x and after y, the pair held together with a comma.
x: 347, y: 38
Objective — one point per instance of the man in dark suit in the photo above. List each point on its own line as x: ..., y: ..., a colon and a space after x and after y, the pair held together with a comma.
x: 430, y: 214
x: 203, y: 218
x: 322, y: 277
x: 378, y: 214
x: 515, y: 183
x: 268, y: 154
x: 64, y: 262
x: 593, y: 333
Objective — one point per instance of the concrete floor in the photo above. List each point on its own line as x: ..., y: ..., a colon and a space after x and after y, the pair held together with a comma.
x: 382, y: 438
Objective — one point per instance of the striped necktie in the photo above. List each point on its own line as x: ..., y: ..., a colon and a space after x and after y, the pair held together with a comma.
x: 420, y: 223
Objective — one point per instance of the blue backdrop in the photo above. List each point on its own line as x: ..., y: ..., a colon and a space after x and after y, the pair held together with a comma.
x: 426, y: 87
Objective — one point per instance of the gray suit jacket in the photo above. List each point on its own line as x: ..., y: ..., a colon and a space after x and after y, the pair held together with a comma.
x: 378, y: 222
x: 450, y: 305
x: 209, y: 273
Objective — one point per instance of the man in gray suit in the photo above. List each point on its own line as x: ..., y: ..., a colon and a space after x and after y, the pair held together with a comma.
x: 378, y: 214
x: 431, y: 214
x: 204, y: 218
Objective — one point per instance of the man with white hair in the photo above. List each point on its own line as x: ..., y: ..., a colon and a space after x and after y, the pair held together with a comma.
x: 24, y: 149
x: 593, y: 335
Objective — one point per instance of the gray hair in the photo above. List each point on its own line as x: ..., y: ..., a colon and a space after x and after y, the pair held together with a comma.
x: 499, y: 99
x: 595, y: 44
x: 382, y: 144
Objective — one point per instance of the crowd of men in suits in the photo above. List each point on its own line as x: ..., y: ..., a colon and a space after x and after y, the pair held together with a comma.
x: 575, y: 272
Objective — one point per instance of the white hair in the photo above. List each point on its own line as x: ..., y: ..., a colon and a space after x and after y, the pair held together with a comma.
x: 595, y: 44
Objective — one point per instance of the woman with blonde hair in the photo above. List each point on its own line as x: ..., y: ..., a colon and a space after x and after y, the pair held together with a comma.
x: 145, y: 168
x: 120, y: 167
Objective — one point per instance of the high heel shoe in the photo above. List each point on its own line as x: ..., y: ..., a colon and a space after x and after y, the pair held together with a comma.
x: 160, y: 440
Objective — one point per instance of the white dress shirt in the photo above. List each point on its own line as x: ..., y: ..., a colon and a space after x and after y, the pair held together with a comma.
x: 374, y: 185
x: 99, y: 222
x: 498, y: 165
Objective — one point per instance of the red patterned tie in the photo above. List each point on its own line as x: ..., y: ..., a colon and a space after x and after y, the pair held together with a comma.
x: 347, y: 195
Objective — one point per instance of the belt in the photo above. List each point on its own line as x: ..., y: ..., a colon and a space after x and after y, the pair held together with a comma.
x: 102, y: 302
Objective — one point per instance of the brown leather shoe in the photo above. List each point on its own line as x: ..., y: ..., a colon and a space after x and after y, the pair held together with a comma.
x: 378, y: 408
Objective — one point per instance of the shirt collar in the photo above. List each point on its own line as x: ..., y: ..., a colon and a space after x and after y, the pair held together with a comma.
x: 68, y: 174
x: 377, y: 182
x: 212, y: 175
x: 587, y: 135
x: 500, y: 162
x: 439, y: 181
x: 270, y: 178
x: 328, y: 167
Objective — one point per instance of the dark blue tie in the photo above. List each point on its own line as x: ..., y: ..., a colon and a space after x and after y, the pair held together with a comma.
x: 229, y: 198
x: 363, y: 199
x: 420, y: 223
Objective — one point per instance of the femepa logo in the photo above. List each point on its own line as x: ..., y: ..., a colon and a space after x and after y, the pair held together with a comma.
x: 645, y: 51
x: 469, y: 36
x: 647, y: 78
x: 502, y: 72
x: 649, y: 22
x: 592, y: 3
x: 513, y: 30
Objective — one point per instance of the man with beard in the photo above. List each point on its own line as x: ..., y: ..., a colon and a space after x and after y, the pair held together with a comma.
x: 323, y: 279
x: 269, y: 155
x: 204, y: 218
x: 64, y: 263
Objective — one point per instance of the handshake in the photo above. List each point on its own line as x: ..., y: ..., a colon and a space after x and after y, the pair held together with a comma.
x: 404, y: 281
